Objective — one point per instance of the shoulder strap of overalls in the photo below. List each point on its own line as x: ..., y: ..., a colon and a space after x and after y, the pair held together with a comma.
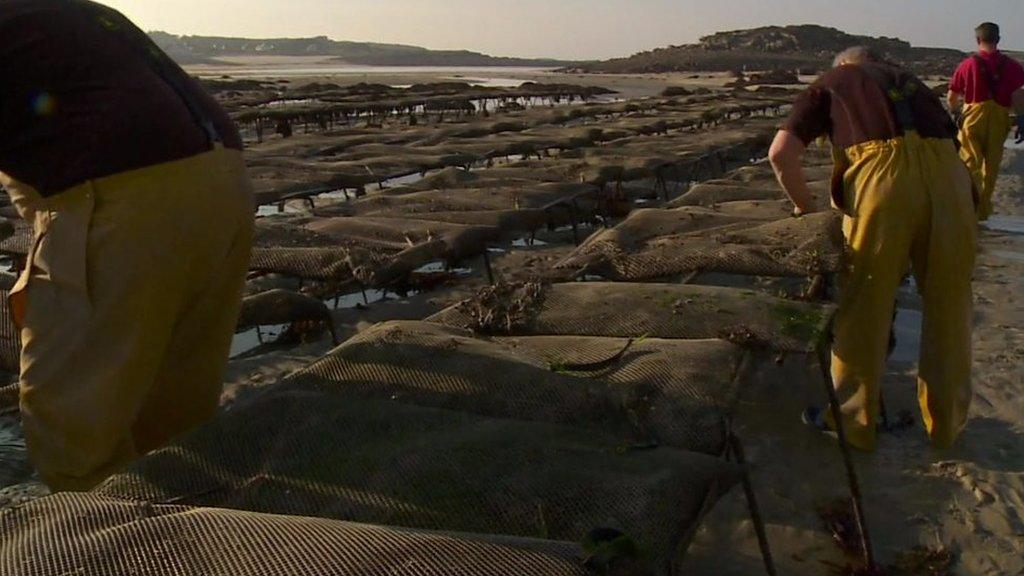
x: 994, y: 79
x: 159, y: 62
x: 899, y: 95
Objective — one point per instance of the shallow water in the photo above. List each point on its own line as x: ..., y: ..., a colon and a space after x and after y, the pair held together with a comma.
x: 525, y: 243
x: 344, y: 301
x: 405, y: 180
x: 1008, y: 255
x: 283, y: 103
x: 435, y: 267
x: 250, y: 340
x: 908, y: 336
x: 495, y: 82
x: 272, y: 209
x: 299, y: 206
x: 482, y: 76
x: 1009, y: 224
x: 14, y: 466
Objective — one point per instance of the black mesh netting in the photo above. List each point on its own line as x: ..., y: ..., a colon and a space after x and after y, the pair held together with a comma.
x: 19, y: 241
x: 373, y: 251
x: 758, y: 182
x: 628, y: 310
x: 738, y: 224
x: 696, y: 240
x: 330, y: 454
x: 678, y: 157
x: 10, y: 356
x: 9, y: 396
x: 10, y: 338
x: 398, y: 233
x: 510, y: 208
x: 90, y: 535
x: 715, y: 192
x: 355, y: 160
x: 279, y: 306
x: 676, y: 393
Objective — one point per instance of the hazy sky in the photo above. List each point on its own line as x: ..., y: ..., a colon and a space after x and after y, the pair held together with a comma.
x: 569, y: 28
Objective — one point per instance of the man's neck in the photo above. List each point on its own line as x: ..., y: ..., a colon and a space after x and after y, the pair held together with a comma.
x: 987, y: 48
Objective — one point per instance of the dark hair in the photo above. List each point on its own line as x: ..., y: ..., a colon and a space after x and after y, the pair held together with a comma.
x: 988, y: 32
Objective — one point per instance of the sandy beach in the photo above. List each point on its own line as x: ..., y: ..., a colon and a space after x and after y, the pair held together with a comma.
x: 969, y: 500
x: 300, y: 70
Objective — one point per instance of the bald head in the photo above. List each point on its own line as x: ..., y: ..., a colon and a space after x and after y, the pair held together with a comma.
x: 856, y: 55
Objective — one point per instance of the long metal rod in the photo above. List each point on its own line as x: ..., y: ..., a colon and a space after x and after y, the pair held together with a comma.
x: 755, y: 509
x: 818, y: 290
x: 884, y: 413
x: 851, y: 472
x: 575, y: 224
x: 689, y: 278
x: 487, y: 266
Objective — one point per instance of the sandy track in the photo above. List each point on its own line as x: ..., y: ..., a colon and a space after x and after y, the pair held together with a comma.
x: 969, y: 499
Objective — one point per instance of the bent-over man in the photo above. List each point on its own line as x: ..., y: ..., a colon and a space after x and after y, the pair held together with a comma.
x: 907, y: 200
x: 134, y: 181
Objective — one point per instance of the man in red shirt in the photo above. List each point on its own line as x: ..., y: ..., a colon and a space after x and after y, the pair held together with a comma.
x: 988, y: 84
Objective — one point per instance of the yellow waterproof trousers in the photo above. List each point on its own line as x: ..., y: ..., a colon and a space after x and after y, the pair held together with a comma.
x: 909, y: 202
x: 983, y: 139
x: 128, y: 308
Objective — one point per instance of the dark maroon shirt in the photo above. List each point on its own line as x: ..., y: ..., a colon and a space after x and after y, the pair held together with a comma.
x: 78, y: 102
x: 849, y: 106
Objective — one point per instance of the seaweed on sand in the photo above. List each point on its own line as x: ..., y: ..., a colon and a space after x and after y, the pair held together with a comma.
x: 501, y: 308
x: 918, y: 561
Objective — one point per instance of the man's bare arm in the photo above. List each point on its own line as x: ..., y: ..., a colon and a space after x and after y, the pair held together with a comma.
x: 1018, y: 108
x: 785, y: 155
x: 954, y: 99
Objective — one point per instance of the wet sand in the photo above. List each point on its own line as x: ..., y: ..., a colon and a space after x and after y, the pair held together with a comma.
x: 969, y: 499
x: 299, y: 70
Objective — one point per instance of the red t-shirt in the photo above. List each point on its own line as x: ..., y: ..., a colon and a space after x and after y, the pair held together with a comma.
x: 972, y: 82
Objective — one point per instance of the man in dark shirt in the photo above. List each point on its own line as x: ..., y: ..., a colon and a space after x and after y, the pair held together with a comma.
x: 907, y: 200
x: 133, y: 179
x: 987, y: 85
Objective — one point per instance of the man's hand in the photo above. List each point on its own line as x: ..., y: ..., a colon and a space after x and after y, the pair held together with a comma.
x: 1018, y: 107
x: 785, y: 155
x: 956, y: 108
x: 955, y: 102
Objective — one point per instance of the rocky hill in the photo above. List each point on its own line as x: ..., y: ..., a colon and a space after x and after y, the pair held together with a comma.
x: 197, y: 49
x: 808, y: 48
